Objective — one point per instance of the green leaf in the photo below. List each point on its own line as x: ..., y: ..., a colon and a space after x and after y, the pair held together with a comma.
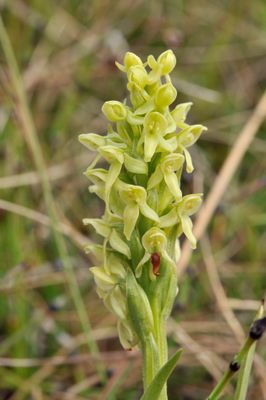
x: 155, y: 388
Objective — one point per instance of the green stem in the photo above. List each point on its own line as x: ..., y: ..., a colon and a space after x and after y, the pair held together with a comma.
x: 221, y: 385
x: 244, y: 361
x: 161, y: 342
x: 244, y: 374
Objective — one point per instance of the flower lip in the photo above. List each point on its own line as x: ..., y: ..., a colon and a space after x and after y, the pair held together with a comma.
x: 190, y: 204
x: 154, y: 240
x: 133, y: 193
x: 155, y: 123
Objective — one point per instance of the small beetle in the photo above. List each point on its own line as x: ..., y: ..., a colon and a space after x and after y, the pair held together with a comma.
x: 155, y: 260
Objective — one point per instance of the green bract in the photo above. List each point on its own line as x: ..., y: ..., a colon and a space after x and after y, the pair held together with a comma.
x: 144, y: 152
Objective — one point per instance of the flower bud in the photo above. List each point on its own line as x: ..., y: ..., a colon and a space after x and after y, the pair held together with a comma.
x: 165, y: 95
x: 126, y: 335
x: 167, y: 62
x: 131, y: 59
x: 115, y: 301
x: 138, y: 75
x: 114, y: 110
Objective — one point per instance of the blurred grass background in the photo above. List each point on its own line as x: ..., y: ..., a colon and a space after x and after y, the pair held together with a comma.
x: 50, y: 316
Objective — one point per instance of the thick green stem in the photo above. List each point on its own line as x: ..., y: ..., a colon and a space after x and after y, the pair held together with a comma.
x: 160, y: 347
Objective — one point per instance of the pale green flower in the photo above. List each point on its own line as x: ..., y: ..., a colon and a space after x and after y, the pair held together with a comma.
x: 186, y: 138
x: 169, y: 170
x: 130, y: 60
x: 166, y: 61
x: 138, y: 75
x: 180, y: 214
x: 98, y: 176
x: 139, y: 98
x: 165, y: 95
x: 106, y: 230
x: 135, y: 198
x: 115, y: 157
x: 154, y: 126
x: 180, y: 112
x: 154, y: 241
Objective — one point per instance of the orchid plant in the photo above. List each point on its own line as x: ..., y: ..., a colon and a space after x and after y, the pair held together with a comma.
x: 146, y: 149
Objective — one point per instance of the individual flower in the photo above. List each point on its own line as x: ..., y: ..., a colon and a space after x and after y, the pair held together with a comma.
x: 169, y: 170
x: 154, y: 241
x: 130, y: 60
x: 154, y: 128
x: 186, y: 138
x: 165, y: 95
x: 111, y: 235
x: 180, y: 214
x: 135, y: 198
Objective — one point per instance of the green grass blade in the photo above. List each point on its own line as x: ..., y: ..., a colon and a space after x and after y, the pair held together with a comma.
x: 244, y: 374
x: 156, y: 386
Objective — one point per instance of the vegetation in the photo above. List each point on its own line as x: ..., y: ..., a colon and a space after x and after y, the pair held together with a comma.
x: 56, y: 336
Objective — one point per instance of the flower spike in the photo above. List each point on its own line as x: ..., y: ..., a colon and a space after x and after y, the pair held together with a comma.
x: 142, y: 157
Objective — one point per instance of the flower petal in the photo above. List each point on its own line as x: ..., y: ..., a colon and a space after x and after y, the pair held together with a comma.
x: 187, y: 226
x: 99, y: 225
x: 155, y: 178
x: 118, y: 244
x: 150, y: 144
x: 173, y: 185
x: 131, y: 215
x: 116, y: 302
x: 104, y: 281
x: 92, y: 141
x: 189, y: 165
x: 148, y: 212
x: 169, y: 219
x: 135, y: 165
x: 138, y: 270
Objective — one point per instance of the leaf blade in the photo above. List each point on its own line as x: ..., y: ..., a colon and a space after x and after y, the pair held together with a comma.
x: 156, y: 386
